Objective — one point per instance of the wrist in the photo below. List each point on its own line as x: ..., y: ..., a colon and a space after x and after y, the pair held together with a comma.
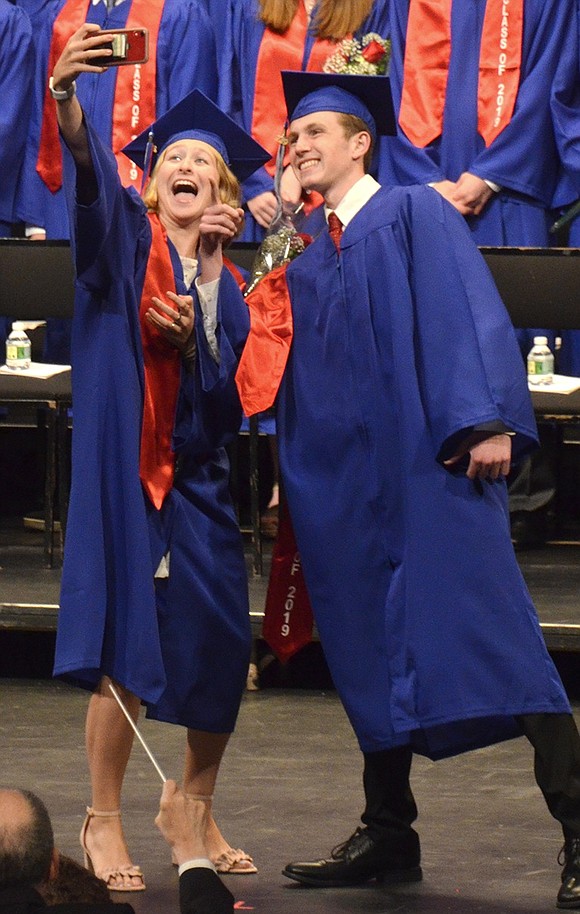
x: 188, y: 850
x: 61, y: 95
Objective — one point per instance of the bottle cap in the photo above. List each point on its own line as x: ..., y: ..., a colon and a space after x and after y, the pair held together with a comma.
x: 540, y: 341
x: 17, y: 325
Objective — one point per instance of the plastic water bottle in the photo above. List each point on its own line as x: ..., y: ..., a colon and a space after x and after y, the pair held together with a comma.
x: 18, y: 348
x: 540, y: 362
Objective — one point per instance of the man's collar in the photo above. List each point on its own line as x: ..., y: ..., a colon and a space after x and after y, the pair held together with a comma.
x: 354, y: 199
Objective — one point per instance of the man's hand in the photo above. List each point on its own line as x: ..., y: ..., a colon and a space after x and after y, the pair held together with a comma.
x: 290, y: 187
x: 263, y: 208
x: 469, y: 194
x: 488, y: 459
x: 183, y: 823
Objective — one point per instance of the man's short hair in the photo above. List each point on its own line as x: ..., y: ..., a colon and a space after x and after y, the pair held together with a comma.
x: 75, y: 885
x: 352, y: 124
x: 26, y: 847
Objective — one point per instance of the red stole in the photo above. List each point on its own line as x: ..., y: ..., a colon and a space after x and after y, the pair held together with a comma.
x: 288, y: 618
x: 162, y: 369
x: 500, y: 63
x: 236, y: 273
x: 135, y: 91
x: 426, y: 66
x: 283, y: 52
x: 267, y: 348
x: 134, y: 105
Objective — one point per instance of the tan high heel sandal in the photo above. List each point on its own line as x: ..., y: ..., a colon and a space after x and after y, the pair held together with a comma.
x: 234, y: 861
x: 112, y: 875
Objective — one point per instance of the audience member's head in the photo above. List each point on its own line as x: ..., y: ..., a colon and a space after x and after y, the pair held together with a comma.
x: 74, y: 885
x: 27, y: 852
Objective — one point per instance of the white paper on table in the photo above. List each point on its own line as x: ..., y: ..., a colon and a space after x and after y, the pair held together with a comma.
x: 561, y: 384
x: 43, y: 371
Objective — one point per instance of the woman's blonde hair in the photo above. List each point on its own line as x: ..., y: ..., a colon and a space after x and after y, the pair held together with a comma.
x: 228, y: 184
x: 335, y: 19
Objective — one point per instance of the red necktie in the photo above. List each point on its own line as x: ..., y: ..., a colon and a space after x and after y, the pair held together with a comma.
x: 335, y: 230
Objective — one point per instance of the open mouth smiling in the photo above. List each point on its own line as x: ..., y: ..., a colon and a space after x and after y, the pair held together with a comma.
x: 183, y: 186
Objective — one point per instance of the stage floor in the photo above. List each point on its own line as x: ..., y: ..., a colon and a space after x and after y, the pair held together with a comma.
x: 290, y: 789
x: 290, y: 786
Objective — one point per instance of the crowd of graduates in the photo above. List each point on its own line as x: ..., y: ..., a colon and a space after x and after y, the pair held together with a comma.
x: 233, y: 51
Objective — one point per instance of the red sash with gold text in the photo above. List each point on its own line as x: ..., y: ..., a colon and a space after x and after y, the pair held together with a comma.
x: 288, y: 618
x: 162, y: 368
x: 134, y: 108
x: 426, y: 67
x: 134, y: 104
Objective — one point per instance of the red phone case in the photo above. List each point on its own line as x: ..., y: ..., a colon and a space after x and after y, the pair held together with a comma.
x: 136, y: 48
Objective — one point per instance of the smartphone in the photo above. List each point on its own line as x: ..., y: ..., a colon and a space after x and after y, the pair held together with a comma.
x: 128, y: 46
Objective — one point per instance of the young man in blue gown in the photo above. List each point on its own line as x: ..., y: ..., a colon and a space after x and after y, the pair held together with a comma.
x: 401, y: 401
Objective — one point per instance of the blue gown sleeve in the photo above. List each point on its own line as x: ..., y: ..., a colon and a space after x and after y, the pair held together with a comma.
x: 102, y: 232
x: 470, y: 368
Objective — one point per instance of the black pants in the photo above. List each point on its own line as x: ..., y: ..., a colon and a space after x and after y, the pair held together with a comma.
x: 390, y: 807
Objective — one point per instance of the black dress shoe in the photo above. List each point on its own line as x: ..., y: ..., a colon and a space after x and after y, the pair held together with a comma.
x: 360, y: 859
x: 569, y: 894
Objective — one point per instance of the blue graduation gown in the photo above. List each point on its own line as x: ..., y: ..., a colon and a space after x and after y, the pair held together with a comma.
x: 180, y: 643
x: 399, y: 348
x: 523, y: 159
x: 16, y: 63
x: 185, y: 36
x: 243, y: 33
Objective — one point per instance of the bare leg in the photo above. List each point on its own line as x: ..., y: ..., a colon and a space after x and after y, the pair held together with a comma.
x: 109, y: 739
x: 202, y: 760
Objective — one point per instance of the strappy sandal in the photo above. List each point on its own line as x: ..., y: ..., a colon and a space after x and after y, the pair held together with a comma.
x: 231, y: 862
x: 234, y: 863
x: 117, y: 879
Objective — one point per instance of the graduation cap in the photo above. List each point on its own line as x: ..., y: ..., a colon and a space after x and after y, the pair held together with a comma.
x: 367, y: 97
x: 196, y: 117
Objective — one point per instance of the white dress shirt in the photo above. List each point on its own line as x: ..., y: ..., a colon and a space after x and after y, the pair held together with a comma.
x: 354, y: 199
